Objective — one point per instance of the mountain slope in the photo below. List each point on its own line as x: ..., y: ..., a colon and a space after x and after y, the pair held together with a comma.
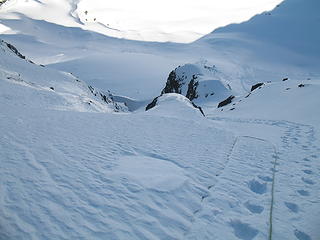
x: 75, y: 164
x: 272, y: 45
x: 41, y: 87
x: 258, y: 50
x: 161, y: 22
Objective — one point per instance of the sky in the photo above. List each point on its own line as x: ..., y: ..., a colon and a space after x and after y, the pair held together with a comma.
x: 185, y: 20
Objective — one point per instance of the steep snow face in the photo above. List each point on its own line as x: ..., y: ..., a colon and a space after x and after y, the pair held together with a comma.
x: 201, y: 83
x: 41, y: 87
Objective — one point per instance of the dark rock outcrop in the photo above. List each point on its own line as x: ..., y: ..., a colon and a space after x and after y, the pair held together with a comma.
x: 176, y: 81
x: 14, y: 50
x: 106, y: 98
x: 2, y: 2
x: 152, y: 104
x: 173, y: 84
x: 192, y: 88
x: 254, y: 87
x: 198, y: 107
x: 226, y: 101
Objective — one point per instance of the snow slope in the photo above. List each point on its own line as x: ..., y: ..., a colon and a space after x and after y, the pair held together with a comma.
x: 168, y: 173
x: 290, y: 111
x: 272, y: 45
x: 41, y: 87
x: 260, y: 49
x: 73, y: 168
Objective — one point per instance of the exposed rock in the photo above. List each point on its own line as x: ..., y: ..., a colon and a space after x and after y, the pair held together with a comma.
x: 192, y: 88
x: 301, y: 85
x: 256, y: 86
x: 200, y: 109
x: 14, y: 50
x: 173, y: 84
x: 226, y: 101
x: 107, y: 98
x: 2, y: 2
x: 200, y: 83
x: 152, y: 104
x: 285, y: 79
x: 197, y: 82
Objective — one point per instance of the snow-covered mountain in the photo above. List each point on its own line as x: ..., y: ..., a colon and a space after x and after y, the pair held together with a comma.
x: 77, y: 162
x: 201, y: 83
x: 272, y: 45
x: 237, y: 50
x: 141, y: 20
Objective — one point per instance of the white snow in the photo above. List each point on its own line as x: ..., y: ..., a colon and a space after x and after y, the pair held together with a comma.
x: 142, y: 20
x: 151, y: 173
x: 76, y: 166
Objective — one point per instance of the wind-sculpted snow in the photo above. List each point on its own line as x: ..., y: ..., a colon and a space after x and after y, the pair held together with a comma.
x: 76, y: 164
x: 97, y: 176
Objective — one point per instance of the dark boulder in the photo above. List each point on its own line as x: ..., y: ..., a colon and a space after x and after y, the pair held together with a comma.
x: 226, y: 101
x: 254, y: 87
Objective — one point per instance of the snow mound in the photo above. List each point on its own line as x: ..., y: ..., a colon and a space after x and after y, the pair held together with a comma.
x: 175, y: 105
